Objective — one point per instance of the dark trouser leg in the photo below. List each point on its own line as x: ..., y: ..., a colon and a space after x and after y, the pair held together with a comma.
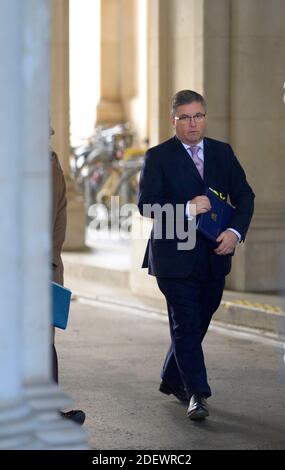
x: 54, y: 364
x: 211, y: 302
x: 170, y: 372
x: 186, y: 312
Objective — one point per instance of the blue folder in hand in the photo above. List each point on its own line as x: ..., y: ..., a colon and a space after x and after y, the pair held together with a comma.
x: 218, y: 219
x: 60, y: 305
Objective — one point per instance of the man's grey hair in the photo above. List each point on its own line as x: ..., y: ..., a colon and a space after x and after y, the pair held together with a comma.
x: 186, y: 97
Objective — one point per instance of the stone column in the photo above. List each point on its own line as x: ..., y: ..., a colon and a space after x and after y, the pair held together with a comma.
x: 133, y: 65
x: 75, y: 236
x: 217, y: 66
x: 123, y: 68
x: 176, y: 59
x: 110, y: 107
x: 188, y: 50
x: 16, y: 426
x: 232, y: 51
x: 43, y: 396
x: 29, y: 417
x: 257, y: 135
x: 160, y: 70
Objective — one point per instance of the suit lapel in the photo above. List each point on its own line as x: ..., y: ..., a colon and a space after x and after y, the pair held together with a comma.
x: 183, y: 155
x: 209, y: 162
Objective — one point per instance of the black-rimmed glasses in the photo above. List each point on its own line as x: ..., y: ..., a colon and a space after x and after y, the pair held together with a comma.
x: 186, y: 119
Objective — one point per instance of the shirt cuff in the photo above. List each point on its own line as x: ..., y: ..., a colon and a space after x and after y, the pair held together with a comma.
x: 236, y: 232
x: 187, y: 211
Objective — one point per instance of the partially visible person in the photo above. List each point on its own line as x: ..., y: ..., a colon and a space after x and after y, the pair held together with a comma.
x: 59, y: 218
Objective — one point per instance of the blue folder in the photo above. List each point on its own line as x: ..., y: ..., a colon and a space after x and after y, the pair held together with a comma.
x: 212, y: 223
x: 60, y: 305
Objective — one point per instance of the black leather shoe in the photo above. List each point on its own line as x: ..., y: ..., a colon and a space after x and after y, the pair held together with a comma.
x: 198, y: 408
x: 78, y: 416
x: 180, y: 393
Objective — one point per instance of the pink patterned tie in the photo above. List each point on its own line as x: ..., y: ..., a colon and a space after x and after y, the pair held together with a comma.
x: 198, y: 162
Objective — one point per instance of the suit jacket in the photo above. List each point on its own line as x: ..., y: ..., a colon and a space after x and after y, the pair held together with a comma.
x: 58, y: 217
x: 170, y: 176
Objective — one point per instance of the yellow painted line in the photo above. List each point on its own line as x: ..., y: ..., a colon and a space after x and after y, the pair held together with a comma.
x: 255, y: 305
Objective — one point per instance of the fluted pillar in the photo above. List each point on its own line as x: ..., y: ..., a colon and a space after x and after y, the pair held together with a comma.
x: 29, y: 401
x: 176, y: 59
x: 123, y: 65
x: 160, y: 70
x: 75, y: 234
x: 16, y: 418
x: 189, y: 48
x: 43, y: 396
x: 233, y: 52
x: 110, y: 107
x: 217, y: 66
x: 257, y: 134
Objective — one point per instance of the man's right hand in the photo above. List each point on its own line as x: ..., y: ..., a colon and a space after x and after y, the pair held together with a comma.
x: 202, y: 204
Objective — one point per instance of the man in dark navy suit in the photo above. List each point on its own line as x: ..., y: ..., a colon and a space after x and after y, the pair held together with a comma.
x: 177, y: 173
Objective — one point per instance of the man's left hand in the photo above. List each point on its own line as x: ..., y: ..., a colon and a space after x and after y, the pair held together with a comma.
x: 228, y: 241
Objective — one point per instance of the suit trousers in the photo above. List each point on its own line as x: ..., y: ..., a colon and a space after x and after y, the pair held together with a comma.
x: 54, y: 362
x: 54, y: 359
x: 191, y: 303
